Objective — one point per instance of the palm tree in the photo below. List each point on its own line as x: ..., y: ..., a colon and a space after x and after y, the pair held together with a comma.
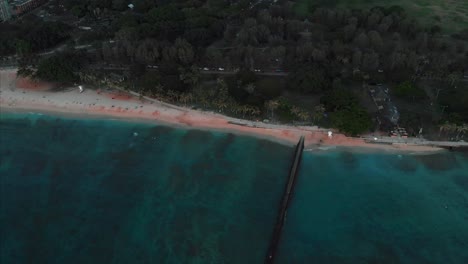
x: 183, y: 98
x: 220, y: 104
x: 173, y: 95
x: 462, y: 129
x: 454, y: 77
x: 255, y: 111
x: 203, y: 100
x: 82, y: 76
x: 86, y: 77
x: 303, y: 115
x: 244, y: 109
x: 319, y: 110
x: 295, y: 110
x: 447, y: 127
x: 300, y: 113
x: 189, y: 97
x: 234, y: 107
x: 272, y: 105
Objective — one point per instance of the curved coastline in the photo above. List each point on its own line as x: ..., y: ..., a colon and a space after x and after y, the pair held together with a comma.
x: 111, y: 104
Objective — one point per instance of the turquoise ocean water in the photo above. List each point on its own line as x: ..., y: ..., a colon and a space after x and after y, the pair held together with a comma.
x: 376, y: 208
x: 103, y: 191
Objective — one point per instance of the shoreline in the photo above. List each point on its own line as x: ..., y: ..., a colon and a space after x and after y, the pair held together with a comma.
x: 16, y: 94
x: 137, y: 120
x: 315, y: 148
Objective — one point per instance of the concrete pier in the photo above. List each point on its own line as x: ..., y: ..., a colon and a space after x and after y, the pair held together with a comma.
x: 270, y: 257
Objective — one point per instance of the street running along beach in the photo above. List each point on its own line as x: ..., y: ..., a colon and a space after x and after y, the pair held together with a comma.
x: 18, y: 93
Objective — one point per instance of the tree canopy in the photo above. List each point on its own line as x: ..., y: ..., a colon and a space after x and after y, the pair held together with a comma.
x: 320, y: 48
x: 409, y: 90
x: 59, y: 68
x: 346, y: 113
x: 31, y: 36
x: 309, y: 79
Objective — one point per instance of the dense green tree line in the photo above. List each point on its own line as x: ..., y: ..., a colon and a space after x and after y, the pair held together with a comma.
x: 31, y: 36
x: 61, y: 67
x: 345, y: 112
x: 409, y: 90
x: 319, y: 47
x: 340, y: 41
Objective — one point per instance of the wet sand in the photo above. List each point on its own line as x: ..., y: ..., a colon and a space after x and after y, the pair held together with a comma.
x: 23, y: 94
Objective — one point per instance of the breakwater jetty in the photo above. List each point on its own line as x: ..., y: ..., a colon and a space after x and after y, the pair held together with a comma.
x: 270, y: 257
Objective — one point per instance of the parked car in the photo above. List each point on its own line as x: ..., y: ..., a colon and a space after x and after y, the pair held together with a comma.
x: 206, y: 69
x: 220, y: 69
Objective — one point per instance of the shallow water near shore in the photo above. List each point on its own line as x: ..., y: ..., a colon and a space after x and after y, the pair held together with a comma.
x: 94, y: 191
x: 102, y: 191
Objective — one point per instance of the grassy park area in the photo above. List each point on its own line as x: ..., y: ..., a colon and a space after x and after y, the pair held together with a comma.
x: 450, y: 15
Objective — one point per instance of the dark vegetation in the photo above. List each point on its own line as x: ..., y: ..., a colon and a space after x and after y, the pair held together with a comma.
x: 322, y: 48
x: 60, y: 68
x: 32, y: 35
x: 346, y: 114
x: 408, y: 90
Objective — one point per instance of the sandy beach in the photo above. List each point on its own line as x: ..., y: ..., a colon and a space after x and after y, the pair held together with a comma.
x: 23, y: 94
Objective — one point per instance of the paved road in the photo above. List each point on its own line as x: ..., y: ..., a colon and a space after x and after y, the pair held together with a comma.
x: 440, y: 79
x: 266, y: 73
x: 15, y: 64
x: 415, y: 141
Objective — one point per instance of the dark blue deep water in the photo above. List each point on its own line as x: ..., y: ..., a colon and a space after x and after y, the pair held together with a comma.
x: 103, y: 191
x: 376, y: 208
